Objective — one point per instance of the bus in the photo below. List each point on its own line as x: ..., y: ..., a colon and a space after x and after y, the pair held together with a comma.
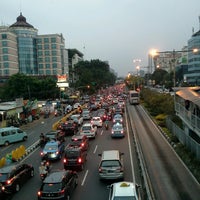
x: 134, y: 97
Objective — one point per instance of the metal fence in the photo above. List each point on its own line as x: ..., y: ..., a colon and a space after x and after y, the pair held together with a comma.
x: 184, y: 139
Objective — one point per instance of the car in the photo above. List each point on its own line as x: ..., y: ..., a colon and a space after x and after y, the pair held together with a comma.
x: 68, y: 109
x: 88, y: 130
x: 59, y: 184
x: 117, y: 118
x: 117, y: 130
x: 76, y: 105
x: 97, y: 121
x: 86, y: 115
x: 124, y: 190
x: 53, y: 150
x: 74, y: 157
x: 69, y: 127
x: 54, y: 135
x: 79, y: 141
x: 111, y: 165
x: 77, y: 118
x: 13, y: 176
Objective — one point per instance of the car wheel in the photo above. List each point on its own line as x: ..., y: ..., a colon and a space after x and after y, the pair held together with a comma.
x: 76, y: 181
x: 17, y: 187
x: 24, y: 138
x: 68, y: 197
x: 81, y: 167
x: 6, y: 143
x: 32, y: 173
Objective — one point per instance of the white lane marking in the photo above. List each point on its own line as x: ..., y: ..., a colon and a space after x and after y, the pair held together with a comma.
x: 95, y: 149
x: 29, y: 155
x: 101, y: 132
x: 86, y: 173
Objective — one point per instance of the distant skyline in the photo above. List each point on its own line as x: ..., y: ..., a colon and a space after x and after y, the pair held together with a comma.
x: 117, y: 31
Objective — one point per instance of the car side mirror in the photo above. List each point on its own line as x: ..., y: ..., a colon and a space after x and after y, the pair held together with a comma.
x: 99, y: 154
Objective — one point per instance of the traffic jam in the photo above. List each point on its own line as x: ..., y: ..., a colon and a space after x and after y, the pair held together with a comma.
x: 69, y: 144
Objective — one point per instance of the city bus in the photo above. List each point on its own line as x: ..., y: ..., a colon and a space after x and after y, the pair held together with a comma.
x: 134, y: 97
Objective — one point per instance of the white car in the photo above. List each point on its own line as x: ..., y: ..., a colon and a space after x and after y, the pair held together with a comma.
x: 88, y: 130
x: 124, y: 190
x: 76, y: 105
x: 86, y: 115
x: 97, y: 121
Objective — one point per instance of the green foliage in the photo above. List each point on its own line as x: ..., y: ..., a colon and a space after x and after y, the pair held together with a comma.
x: 20, y: 85
x: 95, y: 73
x: 158, y: 103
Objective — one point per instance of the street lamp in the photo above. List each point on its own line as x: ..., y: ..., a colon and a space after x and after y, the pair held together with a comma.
x: 154, y: 53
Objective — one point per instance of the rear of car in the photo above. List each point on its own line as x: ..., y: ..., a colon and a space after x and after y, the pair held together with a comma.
x: 88, y: 130
x: 86, y: 115
x: 58, y: 185
x: 97, y: 121
x: 111, y: 165
x: 53, y: 150
x: 74, y: 157
x: 117, y: 131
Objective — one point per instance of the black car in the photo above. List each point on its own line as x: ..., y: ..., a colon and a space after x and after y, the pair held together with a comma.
x: 75, y: 157
x: 69, y: 128
x: 81, y: 141
x: 13, y: 176
x: 59, y: 184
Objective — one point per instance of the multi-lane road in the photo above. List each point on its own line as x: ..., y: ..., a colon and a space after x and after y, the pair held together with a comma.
x: 167, y: 177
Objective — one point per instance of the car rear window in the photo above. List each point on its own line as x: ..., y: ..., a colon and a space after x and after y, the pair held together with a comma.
x: 72, y: 154
x: 110, y: 163
x: 52, y: 187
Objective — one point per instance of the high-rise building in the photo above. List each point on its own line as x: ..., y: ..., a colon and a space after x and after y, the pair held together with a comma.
x: 22, y: 50
x: 193, y: 75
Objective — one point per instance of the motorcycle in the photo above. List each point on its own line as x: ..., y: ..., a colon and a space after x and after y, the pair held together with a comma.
x: 106, y: 126
x: 44, y: 170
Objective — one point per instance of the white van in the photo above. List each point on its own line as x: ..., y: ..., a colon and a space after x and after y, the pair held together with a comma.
x: 111, y: 165
x: 11, y: 134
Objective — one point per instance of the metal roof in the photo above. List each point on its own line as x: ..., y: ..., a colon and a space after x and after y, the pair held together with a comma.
x: 190, y: 93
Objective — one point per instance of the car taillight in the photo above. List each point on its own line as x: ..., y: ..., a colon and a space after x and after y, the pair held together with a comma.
x: 82, y: 144
x: 61, y: 192
x: 122, y: 132
x: 39, y: 193
x: 57, y: 152
x: 8, y: 181
x: 41, y: 153
x: 100, y: 170
x: 79, y: 160
x: 65, y: 160
x: 112, y: 132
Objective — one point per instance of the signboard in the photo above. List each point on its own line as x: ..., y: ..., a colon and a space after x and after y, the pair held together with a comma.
x: 61, y: 78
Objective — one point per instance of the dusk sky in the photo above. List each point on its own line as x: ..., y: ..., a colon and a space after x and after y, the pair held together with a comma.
x: 117, y: 31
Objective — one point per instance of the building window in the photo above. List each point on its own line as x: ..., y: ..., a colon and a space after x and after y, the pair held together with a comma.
x: 53, y: 46
x: 40, y: 59
x: 39, y: 40
x: 47, y: 66
x: 4, y: 36
x: 46, y: 40
x: 54, y: 65
x: 6, y: 72
x: 40, y: 66
x: 5, y: 50
x: 6, y: 65
x: 5, y: 58
x: 47, y: 59
x: 46, y: 46
x: 54, y: 53
x: 53, y: 40
x: 4, y: 43
x: 54, y: 72
x: 54, y: 59
x: 39, y: 46
x: 47, y: 53
x: 40, y: 53
x: 41, y: 72
x: 48, y: 72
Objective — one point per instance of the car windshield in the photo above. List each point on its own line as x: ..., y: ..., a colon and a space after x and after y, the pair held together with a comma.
x: 3, y: 177
x: 50, y: 147
x: 124, y: 198
x: 86, y: 128
x: 52, y: 187
x: 117, y: 127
